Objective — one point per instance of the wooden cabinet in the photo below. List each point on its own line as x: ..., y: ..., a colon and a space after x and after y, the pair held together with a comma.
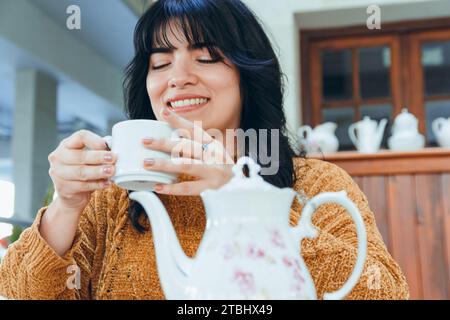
x: 409, y: 193
x: 352, y: 72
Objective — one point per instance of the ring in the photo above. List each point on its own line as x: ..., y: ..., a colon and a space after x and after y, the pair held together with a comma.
x: 205, y: 146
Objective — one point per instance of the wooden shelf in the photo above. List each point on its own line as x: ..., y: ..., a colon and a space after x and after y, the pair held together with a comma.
x: 408, y: 193
x: 386, y: 162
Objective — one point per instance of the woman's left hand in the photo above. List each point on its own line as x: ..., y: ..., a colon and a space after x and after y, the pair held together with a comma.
x: 196, y: 154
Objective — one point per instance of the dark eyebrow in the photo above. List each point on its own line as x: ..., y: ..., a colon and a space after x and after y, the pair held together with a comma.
x: 195, y: 46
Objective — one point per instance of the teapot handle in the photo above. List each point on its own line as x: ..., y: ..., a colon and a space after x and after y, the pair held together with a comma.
x: 302, y: 130
x: 352, y: 135
x: 305, y: 228
x: 437, y: 125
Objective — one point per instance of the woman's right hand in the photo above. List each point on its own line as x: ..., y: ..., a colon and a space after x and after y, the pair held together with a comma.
x: 81, y: 164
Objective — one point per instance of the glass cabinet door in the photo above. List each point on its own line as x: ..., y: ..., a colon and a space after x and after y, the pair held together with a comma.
x: 436, y: 83
x: 355, y: 81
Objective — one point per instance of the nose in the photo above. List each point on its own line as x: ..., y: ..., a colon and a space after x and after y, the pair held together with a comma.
x: 182, y: 76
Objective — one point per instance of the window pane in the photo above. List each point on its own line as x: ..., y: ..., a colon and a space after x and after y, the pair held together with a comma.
x: 337, y: 75
x: 378, y: 112
x: 436, y: 66
x: 343, y: 117
x: 374, y: 72
x: 434, y: 110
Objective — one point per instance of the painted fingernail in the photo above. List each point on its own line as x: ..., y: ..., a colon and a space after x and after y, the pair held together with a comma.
x: 148, y: 140
x: 108, y: 157
x: 107, y: 170
x: 158, y: 187
x: 149, y: 162
x: 165, y: 113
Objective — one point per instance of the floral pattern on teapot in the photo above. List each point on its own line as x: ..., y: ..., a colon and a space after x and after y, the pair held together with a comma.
x: 248, y: 250
x: 237, y: 257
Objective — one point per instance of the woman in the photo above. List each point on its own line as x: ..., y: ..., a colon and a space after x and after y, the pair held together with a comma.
x: 208, y: 61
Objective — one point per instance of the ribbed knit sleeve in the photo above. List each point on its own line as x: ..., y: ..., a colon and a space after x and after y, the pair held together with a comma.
x: 31, y: 269
x: 331, y: 256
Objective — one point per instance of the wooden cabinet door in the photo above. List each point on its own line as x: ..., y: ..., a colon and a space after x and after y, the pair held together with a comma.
x: 409, y: 194
x: 430, y: 78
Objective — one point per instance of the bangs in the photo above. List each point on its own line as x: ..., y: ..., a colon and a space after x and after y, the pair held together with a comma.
x: 188, y: 21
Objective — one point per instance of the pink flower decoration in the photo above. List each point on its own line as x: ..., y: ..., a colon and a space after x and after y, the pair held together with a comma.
x: 228, y: 252
x: 276, y: 239
x: 287, y: 261
x: 251, y: 250
x: 261, y: 253
x: 245, y: 280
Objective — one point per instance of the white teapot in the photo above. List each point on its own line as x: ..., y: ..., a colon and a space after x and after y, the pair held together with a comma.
x: 320, y: 139
x: 405, y: 133
x: 248, y: 251
x: 441, y: 129
x: 367, y: 134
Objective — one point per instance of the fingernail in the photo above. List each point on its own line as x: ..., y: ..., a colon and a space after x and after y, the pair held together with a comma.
x: 108, y: 157
x: 106, y: 183
x: 165, y: 113
x: 149, y: 162
x: 107, y: 170
x: 148, y: 140
x: 158, y: 187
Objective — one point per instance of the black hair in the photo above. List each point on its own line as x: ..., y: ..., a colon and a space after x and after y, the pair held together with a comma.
x: 228, y: 25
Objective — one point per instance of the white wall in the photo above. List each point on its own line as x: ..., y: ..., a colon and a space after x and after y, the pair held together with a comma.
x: 284, y: 18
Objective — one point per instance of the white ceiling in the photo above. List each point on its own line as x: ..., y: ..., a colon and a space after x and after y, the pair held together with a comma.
x: 106, y: 27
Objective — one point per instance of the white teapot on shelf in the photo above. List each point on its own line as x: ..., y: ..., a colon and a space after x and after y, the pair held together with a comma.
x: 405, y: 133
x: 441, y: 129
x: 248, y: 250
x: 320, y: 139
x: 367, y: 134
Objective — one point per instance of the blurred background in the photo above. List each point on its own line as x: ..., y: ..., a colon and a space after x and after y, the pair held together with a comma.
x: 55, y: 80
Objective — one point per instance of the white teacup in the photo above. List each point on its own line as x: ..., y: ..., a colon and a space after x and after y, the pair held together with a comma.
x: 126, y: 142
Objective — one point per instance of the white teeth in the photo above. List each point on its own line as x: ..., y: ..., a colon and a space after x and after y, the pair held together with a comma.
x: 187, y: 102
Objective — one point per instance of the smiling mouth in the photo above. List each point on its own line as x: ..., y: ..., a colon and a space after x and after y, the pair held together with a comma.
x: 187, y: 104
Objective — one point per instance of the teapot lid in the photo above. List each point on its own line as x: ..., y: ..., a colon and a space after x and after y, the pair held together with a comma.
x: 241, y: 182
x: 405, y: 117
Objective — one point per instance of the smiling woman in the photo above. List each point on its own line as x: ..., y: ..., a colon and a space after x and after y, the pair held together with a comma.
x: 195, y: 60
x: 193, y: 82
x: 224, y: 80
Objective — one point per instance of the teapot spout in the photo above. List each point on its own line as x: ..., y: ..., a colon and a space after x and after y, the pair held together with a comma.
x: 380, y: 131
x: 173, y: 264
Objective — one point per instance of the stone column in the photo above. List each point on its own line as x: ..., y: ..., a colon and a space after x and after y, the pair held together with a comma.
x: 34, y: 137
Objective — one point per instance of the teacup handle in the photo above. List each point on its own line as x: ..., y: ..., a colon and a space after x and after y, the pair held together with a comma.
x: 305, y: 228
x: 109, y: 141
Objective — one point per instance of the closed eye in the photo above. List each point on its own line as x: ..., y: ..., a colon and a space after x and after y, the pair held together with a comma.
x: 210, y: 60
x: 205, y: 61
x: 160, y: 66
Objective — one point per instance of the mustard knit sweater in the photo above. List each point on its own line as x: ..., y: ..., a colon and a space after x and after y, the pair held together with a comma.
x: 117, y: 262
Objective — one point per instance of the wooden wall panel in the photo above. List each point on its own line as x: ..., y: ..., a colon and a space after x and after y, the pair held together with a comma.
x: 403, y: 231
x: 446, y: 199
x: 409, y: 193
x: 430, y: 210
x: 375, y: 190
x: 359, y: 181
